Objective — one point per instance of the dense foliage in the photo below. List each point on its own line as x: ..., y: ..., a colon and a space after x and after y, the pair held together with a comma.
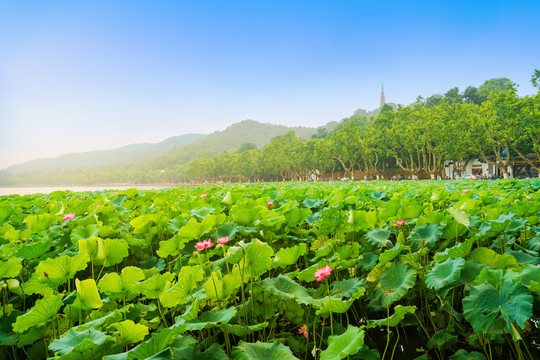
x: 427, y: 270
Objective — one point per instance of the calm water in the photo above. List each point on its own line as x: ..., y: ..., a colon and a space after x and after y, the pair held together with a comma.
x: 26, y: 190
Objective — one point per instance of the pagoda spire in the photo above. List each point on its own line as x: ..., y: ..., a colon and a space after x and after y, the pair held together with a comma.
x: 382, y: 96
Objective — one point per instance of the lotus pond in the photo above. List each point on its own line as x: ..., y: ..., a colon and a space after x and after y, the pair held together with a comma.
x: 371, y: 270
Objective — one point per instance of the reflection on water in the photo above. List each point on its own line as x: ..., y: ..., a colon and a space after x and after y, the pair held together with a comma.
x: 26, y: 190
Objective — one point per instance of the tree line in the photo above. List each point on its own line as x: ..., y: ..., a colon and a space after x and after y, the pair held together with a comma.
x: 491, y: 123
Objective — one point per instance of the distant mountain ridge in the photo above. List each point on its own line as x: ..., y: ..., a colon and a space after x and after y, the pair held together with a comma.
x: 230, y: 139
x: 100, y: 158
x: 170, y: 153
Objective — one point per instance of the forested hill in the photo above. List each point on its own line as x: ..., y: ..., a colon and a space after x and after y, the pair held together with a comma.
x: 101, y: 158
x: 230, y: 139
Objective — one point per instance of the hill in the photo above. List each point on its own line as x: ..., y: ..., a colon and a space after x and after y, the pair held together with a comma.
x: 230, y: 139
x: 100, y: 158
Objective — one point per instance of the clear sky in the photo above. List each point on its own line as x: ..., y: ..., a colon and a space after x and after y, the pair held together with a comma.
x: 87, y: 75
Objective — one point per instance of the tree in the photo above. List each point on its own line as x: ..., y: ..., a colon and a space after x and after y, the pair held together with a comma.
x: 453, y: 96
x: 535, y: 79
x: 497, y: 84
x: 473, y: 95
x: 246, y: 147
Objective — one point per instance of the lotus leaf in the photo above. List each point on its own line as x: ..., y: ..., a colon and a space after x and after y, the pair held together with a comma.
x: 206, y: 320
x: 262, y: 351
x: 129, y: 332
x: 214, y: 352
x: 10, y: 268
x: 81, y: 233
x: 42, y: 312
x: 341, y: 346
x: 492, y: 308
x: 284, y: 288
x: 87, y: 294
x: 79, y: 341
x: 118, y: 286
x: 379, y: 237
x: 426, y: 235
x: 394, y: 319
x: 395, y: 282
x: 289, y: 256
x: 155, y: 286
x: 464, y: 355
x: 487, y: 256
x: 188, y: 279
x: 241, y: 330
x: 442, y: 340
x: 444, y: 273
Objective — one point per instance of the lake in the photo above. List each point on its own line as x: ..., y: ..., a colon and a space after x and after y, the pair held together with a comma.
x: 26, y: 190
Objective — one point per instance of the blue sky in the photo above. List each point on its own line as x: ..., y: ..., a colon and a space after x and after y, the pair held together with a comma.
x: 80, y: 75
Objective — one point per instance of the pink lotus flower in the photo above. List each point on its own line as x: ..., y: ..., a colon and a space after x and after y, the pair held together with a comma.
x: 270, y: 203
x: 400, y: 222
x: 303, y: 330
x: 69, y: 216
x: 465, y: 191
x: 527, y: 197
x: 201, y: 245
x: 223, y: 240
x: 203, y: 196
x: 322, y: 273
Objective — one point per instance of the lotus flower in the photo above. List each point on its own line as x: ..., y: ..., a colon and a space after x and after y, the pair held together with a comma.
x: 70, y: 216
x: 203, y: 196
x: 465, y: 191
x: 201, y: 245
x: 270, y: 203
x: 323, y: 272
x: 303, y: 330
x: 400, y: 222
x: 528, y: 197
x: 223, y: 240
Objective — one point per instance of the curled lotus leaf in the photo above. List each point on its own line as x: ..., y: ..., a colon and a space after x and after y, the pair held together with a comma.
x: 444, y: 273
x: 494, y: 308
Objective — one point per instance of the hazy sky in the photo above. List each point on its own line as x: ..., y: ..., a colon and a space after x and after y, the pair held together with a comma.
x: 87, y: 75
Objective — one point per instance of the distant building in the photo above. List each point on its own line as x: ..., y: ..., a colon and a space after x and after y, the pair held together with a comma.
x: 382, y: 96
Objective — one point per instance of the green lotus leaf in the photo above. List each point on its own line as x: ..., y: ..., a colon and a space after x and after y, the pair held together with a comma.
x: 225, y: 286
x: 10, y: 268
x: 295, y: 216
x: 313, y: 203
x: 244, y: 214
x: 495, y: 276
x: 395, y: 282
x: 7, y: 335
x: 464, y: 355
x: 444, y: 273
x: 534, y: 243
x: 241, y: 330
x: 442, y: 340
x: 175, y: 225
x: 530, y: 277
x: 202, y: 212
x: 42, y: 312
x: 487, y: 256
x: 453, y: 230
x: 115, y: 251
x: 193, y: 230
x: 426, y: 235
x: 470, y: 271
x: 460, y: 216
x: 410, y: 211
x: 87, y: 294
x: 129, y: 332
x: 33, y: 251
x: 491, y: 309
x: 460, y: 250
x: 142, y: 224
x: 262, y: 351
x: 171, y: 247
x: 153, y: 346
x: 394, y: 319
x: 40, y: 223
x: 284, y: 288
x: 84, y: 233
x: 228, y: 230
x: 332, y: 305
x: 347, y: 288
x: 155, y: 286
x: 206, y: 320
x: 79, y: 341
x: 214, y: 352
x: 52, y: 273
x: 379, y: 237
x: 102, y: 322
x: 522, y: 257
x: 390, y: 254
x: 341, y: 346
x: 118, y: 286
x: 188, y: 280
x: 257, y: 259
x: 289, y: 256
